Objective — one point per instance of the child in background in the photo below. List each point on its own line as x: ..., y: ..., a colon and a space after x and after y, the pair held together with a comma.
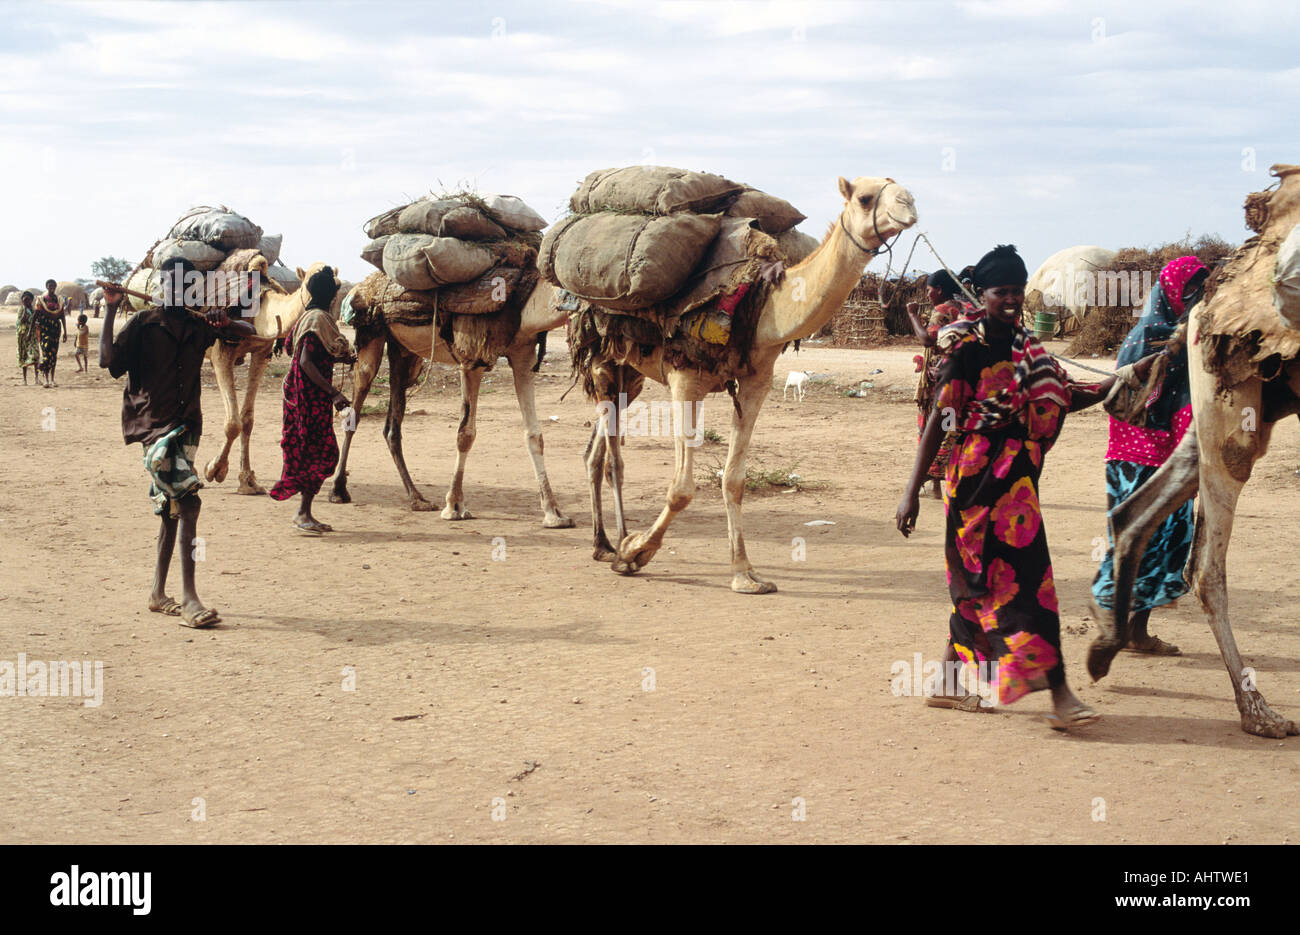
x: 83, y: 345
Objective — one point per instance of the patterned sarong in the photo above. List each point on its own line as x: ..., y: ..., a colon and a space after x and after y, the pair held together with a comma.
x: 170, y: 463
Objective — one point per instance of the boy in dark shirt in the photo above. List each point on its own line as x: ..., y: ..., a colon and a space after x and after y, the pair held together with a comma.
x: 161, y: 350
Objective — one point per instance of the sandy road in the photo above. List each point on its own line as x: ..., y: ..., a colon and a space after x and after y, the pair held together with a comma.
x: 659, y: 708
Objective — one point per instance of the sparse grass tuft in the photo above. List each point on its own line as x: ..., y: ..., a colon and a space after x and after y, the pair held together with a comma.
x: 758, y: 477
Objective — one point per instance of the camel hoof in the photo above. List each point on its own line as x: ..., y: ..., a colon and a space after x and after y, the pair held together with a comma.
x: 455, y: 513
x: 251, y: 490
x: 633, y: 554
x: 421, y: 505
x: 557, y: 521
x: 1277, y: 730
x: 1100, y: 655
x: 216, y: 471
x: 746, y: 582
x: 340, y: 495
x: 604, y: 554
x: 1263, y: 721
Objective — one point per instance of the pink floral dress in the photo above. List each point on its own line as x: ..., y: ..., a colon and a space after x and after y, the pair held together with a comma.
x: 999, y: 570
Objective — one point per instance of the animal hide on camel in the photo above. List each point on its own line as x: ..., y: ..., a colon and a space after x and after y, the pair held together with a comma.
x: 1245, y: 335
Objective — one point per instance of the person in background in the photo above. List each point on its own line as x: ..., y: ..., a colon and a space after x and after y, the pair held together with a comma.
x: 50, y: 322
x: 945, y: 297
x: 29, y: 346
x: 1135, y: 452
x: 311, y: 452
x: 83, y: 345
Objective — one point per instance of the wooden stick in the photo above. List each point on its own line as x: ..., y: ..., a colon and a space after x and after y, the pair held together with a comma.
x: 123, y: 289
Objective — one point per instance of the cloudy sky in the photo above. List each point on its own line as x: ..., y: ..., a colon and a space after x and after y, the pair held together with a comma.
x: 1045, y: 124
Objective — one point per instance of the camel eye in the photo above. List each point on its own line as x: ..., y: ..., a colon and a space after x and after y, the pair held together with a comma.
x: 865, y: 201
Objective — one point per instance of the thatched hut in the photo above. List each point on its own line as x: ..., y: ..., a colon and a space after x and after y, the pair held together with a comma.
x: 866, y: 319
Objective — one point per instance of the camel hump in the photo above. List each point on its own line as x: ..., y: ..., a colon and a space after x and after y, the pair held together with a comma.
x: 1283, y: 168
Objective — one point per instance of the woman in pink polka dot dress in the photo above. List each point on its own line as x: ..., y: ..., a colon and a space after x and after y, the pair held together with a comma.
x: 1135, y: 452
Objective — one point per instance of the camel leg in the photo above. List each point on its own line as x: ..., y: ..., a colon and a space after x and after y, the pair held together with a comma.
x: 614, y: 466
x: 1227, y: 456
x: 627, y: 387
x: 1132, y: 524
x: 257, y: 362
x: 471, y: 379
x: 399, y: 368
x: 223, y: 364
x: 594, y: 457
x: 364, y: 372
x: 750, y: 395
x: 636, y: 551
x: 521, y: 362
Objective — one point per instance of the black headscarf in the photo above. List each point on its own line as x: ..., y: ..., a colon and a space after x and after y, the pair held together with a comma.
x: 943, y: 281
x: 1001, y: 266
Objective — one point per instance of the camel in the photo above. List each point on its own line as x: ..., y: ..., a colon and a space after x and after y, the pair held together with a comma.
x: 810, y: 294
x: 408, y: 346
x: 277, y: 313
x: 1244, y: 368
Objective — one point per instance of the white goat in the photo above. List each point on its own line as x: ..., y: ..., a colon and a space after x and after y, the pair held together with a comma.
x: 798, y: 379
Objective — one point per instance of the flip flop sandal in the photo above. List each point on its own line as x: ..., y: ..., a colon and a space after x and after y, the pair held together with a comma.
x: 1157, y: 647
x: 204, y: 618
x: 969, y: 703
x: 169, y: 606
x: 309, y: 530
x: 1079, y: 716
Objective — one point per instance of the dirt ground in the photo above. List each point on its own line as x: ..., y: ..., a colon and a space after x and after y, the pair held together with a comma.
x: 540, y: 697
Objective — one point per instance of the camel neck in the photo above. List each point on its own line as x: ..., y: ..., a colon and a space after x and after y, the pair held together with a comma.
x: 814, y: 290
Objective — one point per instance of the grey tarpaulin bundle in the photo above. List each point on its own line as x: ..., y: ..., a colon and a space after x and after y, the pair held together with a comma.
x: 463, y: 263
x: 670, y: 258
x: 213, y: 239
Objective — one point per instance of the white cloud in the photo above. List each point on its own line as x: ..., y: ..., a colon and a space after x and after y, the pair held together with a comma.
x: 312, y: 117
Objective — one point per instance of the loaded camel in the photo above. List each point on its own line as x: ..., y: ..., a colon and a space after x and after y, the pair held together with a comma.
x: 811, y: 293
x: 477, y: 343
x: 1244, y: 370
x: 277, y: 313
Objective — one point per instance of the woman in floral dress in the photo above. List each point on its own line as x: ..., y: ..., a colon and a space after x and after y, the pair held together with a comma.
x: 1005, y: 399
x: 945, y: 296
x: 29, y: 354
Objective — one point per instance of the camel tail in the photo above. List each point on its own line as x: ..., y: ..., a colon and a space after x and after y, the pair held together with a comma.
x: 541, y: 351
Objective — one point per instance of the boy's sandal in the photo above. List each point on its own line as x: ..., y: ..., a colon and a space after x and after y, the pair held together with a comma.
x: 204, y: 618
x: 169, y: 606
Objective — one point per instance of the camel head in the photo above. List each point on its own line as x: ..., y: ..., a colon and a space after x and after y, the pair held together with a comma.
x: 876, y: 210
x: 327, y: 283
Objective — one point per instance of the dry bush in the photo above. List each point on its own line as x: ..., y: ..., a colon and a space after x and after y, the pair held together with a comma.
x: 1105, y: 327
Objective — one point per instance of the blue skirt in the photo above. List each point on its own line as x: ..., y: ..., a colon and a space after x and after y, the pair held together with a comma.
x: 1160, y: 575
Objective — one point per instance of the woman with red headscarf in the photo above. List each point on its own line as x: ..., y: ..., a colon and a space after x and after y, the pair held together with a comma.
x: 1135, y: 451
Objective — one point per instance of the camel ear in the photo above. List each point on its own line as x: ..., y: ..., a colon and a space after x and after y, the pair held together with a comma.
x: 301, y: 275
x: 846, y: 189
